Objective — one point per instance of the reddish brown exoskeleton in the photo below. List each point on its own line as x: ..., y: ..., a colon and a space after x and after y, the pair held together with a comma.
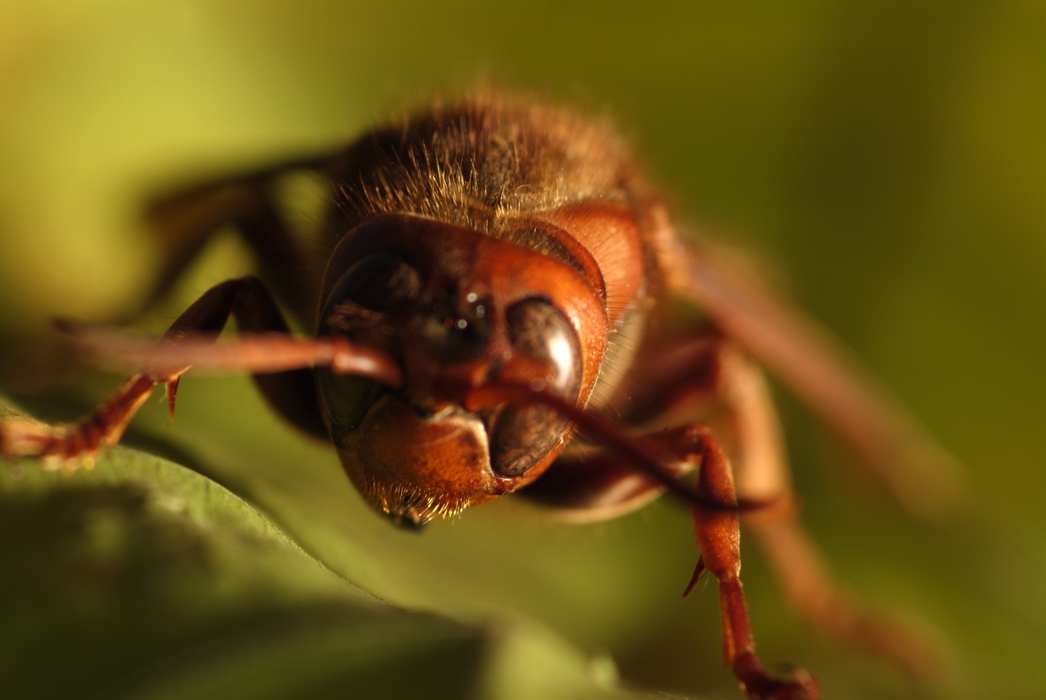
x: 495, y: 303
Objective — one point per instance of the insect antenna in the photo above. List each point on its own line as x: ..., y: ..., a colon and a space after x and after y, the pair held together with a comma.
x: 257, y: 353
x: 609, y: 434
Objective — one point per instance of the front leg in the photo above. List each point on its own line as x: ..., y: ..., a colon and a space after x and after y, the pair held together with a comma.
x: 719, y: 538
x: 604, y: 483
x: 184, y: 221
x: 821, y: 373
x: 601, y: 483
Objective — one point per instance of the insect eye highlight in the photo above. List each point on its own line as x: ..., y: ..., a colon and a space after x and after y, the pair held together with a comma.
x: 540, y: 330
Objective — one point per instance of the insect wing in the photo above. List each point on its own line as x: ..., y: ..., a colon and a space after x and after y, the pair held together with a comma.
x: 816, y: 368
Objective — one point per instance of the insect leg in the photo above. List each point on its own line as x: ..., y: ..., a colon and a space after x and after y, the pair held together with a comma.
x: 718, y: 536
x: 185, y: 220
x: 292, y: 393
x: 762, y: 473
x: 919, y: 473
x: 597, y: 483
x: 717, y: 530
x: 750, y: 428
x: 603, y: 483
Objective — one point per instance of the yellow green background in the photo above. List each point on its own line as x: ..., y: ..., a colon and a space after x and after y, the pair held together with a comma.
x: 889, y: 159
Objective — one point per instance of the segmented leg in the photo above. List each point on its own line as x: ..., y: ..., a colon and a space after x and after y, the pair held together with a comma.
x: 185, y: 220
x: 598, y: 484
x: 72, y: 446
x: 801, y: 571
x: 719, y: 538
x: 716, y: 513
x: 920, y: 473
x: 292, y: 394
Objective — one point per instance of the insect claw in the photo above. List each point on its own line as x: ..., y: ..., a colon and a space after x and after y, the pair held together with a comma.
x: 171, y: 390
x: 699, y: 571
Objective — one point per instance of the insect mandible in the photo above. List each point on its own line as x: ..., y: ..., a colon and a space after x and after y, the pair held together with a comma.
x: 494, y: 303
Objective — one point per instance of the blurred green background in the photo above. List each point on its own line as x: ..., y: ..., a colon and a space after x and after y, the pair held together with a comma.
x: 889, y: 160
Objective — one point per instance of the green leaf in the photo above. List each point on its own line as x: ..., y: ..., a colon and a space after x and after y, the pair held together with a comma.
x: 143, y: 579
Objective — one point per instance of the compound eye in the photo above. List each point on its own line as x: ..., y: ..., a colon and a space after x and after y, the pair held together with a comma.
x: 540, y: 330
x: 373, y: 287
x: 379, y: 282
x: 523, y: 435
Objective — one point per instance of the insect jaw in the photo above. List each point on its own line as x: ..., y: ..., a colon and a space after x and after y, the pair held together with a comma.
x: 415, y: 467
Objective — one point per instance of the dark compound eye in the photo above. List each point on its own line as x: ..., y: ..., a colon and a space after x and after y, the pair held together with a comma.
x: 540, y: 330
x: 379, y: 282
x: 346, y: 399
x: 523, y: 435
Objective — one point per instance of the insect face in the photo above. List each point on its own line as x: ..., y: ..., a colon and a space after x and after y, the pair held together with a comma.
x: 457, y: 309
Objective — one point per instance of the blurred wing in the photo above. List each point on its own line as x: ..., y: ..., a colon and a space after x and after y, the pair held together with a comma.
x: 814, y: 365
